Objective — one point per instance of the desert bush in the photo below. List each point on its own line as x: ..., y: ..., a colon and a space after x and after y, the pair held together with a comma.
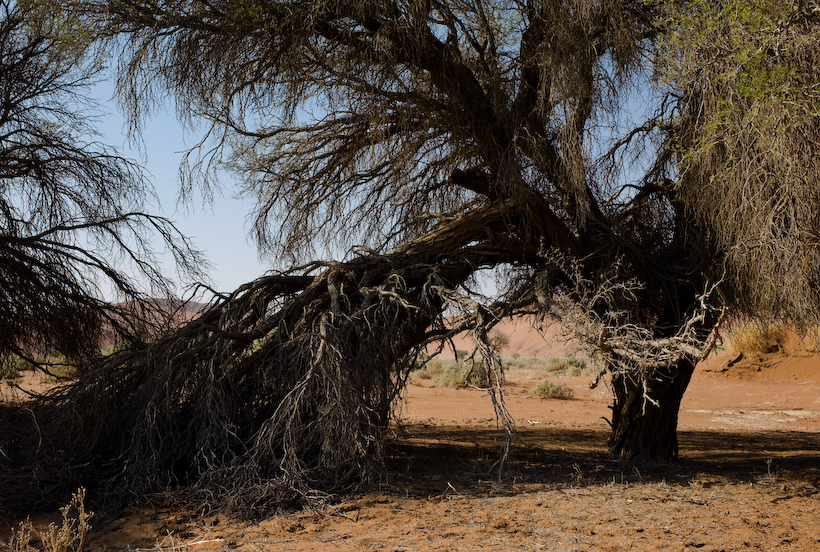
x: 453, y: 374
x: 758, y: 336
x: 428, y: 369
x: 546, y: 389
x: 115, y: 348
x: 69, y: 536
x: 569, y: 365
x: 8, y: 372
x: 11, y: 366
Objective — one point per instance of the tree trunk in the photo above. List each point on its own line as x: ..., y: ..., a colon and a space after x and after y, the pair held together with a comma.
x: 641, y: 430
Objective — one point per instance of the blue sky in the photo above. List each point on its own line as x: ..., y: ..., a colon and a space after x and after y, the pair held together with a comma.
x: 220, y: 229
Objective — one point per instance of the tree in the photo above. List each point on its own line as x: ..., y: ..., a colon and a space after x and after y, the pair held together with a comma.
x: 70, y: 208
x: 441, y: 137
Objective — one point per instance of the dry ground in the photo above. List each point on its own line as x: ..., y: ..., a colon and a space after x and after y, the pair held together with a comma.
x: 748, y: 477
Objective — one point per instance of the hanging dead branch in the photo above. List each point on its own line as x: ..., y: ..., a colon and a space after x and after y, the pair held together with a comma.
x: 283, y: 387
x: 598, y: 314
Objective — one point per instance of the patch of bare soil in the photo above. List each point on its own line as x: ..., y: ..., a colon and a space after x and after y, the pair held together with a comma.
x: 748, y: 477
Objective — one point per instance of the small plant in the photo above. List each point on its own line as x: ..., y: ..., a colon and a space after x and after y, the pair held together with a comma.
x: 546, y: 389
x: 758, y: 337
x: 121, y: 346
x: 68, y: 537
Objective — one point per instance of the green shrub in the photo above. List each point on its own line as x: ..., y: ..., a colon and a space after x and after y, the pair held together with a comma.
x: 546, y: 389
x: 520, y: 363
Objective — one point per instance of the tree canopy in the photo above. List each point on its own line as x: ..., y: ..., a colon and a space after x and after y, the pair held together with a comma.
x: 432, y: 139
x: 72, y: 215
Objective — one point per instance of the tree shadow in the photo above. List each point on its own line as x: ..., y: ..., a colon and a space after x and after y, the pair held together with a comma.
x: 424, y: 460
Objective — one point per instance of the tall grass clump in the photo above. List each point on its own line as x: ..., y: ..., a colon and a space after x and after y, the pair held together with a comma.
x: 758, y: 337
x: 428, y: 368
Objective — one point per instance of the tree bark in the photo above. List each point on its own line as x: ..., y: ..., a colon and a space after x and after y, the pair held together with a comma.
x: 643, y: 431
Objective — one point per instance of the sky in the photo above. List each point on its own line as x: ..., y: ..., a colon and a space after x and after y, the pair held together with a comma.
x: 221, y: 229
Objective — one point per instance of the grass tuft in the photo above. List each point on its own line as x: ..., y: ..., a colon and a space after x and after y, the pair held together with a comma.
x: 758, y: 337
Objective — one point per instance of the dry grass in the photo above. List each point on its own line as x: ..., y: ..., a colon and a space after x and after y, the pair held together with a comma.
x: 461, y: 372
x: 758, y: 336
x: 69, y: 536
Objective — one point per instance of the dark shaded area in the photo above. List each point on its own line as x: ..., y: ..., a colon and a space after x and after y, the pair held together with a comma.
x: 434, y: 460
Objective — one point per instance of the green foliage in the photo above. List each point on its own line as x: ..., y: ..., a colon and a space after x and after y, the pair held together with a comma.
x: 746, y: 143
x: 451, y: 373
x: 115, y: 348
x: 428, y: 368
x: 546, y: 389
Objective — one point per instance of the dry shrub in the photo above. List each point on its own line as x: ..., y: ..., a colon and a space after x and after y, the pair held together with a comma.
x: 546, y: 389
x: 811, y: 340
x: 454, y: 374
x: 69, y: 536
x: 10, y: 368
x: 428, y: 369
x: 758, y: 337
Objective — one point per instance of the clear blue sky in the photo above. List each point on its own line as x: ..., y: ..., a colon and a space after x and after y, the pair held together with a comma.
x: 219, y: 230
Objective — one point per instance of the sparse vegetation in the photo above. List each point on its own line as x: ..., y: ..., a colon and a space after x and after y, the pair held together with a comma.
x: 8, y: 371
x: 546, y: 389
x: 758, y: 336
x: 11, y: 365
x: 69, y: 536
x: 569, y: 365
x: 453, y: 374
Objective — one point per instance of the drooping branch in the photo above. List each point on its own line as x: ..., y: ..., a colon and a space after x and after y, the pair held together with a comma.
x: 284, y: 386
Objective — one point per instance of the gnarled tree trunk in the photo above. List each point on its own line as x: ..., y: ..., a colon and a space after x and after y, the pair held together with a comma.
x: 646, y: 430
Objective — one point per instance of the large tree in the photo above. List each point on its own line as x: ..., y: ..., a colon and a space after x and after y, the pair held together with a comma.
x: 71, y: 210
x: 441, y: 137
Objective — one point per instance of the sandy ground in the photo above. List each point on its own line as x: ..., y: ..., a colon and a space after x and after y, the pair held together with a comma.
x: 748, y: 477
